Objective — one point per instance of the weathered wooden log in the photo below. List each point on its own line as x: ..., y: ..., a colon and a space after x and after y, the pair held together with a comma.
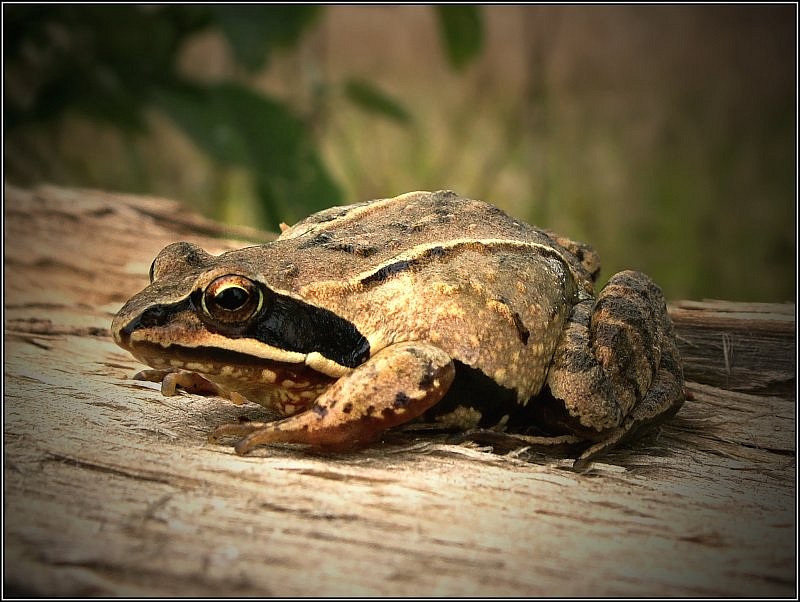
x: 112, y: 489
x: 746, y: 347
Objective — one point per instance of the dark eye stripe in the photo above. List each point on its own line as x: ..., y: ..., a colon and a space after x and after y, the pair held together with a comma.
x: 288, y: 324
x: 294, y: 325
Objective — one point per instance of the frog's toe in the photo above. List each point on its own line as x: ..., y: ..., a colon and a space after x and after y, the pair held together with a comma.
x: 171, y: 380
x: 662, y: 401
x: 235, y: 429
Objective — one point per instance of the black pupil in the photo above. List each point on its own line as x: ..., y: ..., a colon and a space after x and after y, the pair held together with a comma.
x: 232, y: 298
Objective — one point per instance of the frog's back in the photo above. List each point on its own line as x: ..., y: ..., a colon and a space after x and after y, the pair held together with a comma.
x: 341, y: 241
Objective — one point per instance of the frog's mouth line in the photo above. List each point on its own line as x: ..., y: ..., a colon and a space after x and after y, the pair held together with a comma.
x: 232, y: 365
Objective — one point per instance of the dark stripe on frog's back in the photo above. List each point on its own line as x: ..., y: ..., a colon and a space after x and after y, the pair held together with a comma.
x: 444, y: 251
x: 327, y: 240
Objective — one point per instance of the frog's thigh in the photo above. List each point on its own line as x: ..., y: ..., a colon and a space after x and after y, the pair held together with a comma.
x: 616, y: 366
x: 396, y: 385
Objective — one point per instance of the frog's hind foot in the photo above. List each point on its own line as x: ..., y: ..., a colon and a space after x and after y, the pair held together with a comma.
x: 658, y: 405
x: 617, y: 369
x: 503, y: 442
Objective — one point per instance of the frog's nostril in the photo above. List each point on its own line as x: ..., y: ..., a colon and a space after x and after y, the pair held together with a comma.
x: 154, y: 316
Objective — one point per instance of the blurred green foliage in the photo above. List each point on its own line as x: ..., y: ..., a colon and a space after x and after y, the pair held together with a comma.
x: 665, y: 136
x: 461, y: 28
x: 371, y: 99
x: 65, y: 58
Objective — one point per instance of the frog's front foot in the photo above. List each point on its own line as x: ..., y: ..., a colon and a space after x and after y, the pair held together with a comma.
x: 394, y: 386
x: 191, y: 382
x: 616, y: 369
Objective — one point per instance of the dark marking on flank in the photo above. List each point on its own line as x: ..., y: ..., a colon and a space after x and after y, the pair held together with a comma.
x: 319, y: 410
x: 522, y: 332
x: 427, y: 379
x: 401, y: 400
x: 436, y: 252
x: 347, y: 408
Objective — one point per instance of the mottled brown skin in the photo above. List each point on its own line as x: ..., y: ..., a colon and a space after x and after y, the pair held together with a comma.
x: 442, y: 289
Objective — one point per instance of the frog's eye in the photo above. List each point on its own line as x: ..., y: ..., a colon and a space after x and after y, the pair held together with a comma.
x: 152, y: 271
x: 232, y: 299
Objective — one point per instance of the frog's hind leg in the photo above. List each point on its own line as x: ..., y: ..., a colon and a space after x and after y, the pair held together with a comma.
x: 661, y: 402
x: 394, y: 386
x: 616, y: 368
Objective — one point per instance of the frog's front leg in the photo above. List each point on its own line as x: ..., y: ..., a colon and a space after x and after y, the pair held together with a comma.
x: 394, y: 386
x: 191, y: 382
x: 616, y: 368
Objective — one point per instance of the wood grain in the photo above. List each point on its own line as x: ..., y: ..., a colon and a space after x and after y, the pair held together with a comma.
x: 738, y: 346
x: 113, y: 490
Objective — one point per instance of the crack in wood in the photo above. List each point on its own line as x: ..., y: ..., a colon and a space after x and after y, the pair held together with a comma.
x: 118, y: 471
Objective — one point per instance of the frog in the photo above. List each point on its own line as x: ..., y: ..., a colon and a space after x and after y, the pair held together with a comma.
x: 427, y: 307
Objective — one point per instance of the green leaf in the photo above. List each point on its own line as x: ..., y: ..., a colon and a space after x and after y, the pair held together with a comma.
x: 373, y: 100
x: 254, y: 31
x: 294, y: 194
x: 238, y: 126
x: 203, y: 116
x: 80, y: 58
x: 461, y: 29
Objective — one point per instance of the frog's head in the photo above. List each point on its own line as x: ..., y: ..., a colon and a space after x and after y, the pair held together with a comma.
x: 219, y: 316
